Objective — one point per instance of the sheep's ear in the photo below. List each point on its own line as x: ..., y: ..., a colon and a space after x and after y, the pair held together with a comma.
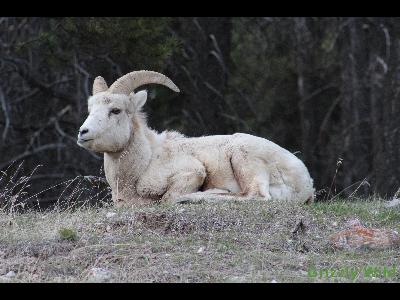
x: 99, y: 85
x: 139, y: 99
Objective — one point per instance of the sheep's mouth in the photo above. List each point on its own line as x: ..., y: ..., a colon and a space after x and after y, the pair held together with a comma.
x: 82, y: 141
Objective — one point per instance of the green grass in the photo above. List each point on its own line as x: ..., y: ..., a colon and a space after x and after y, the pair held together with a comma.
x: 67, y: 234
x: 371, y: 211
x: 234, y: 241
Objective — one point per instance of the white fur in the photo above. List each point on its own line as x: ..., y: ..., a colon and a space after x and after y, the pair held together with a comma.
x: 142, y: 165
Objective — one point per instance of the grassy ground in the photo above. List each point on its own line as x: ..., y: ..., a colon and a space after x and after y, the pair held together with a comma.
x: 232, y: 241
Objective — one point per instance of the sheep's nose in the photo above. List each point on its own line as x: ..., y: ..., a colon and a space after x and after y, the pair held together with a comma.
x: 83, y: 131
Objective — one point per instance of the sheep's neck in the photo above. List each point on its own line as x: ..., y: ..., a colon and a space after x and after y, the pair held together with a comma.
x: 124, y: 168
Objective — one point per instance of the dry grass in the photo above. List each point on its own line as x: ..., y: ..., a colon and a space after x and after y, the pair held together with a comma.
x: 231, y: 241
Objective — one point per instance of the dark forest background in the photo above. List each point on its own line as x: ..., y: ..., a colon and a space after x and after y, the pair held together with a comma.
x: 327, y: 89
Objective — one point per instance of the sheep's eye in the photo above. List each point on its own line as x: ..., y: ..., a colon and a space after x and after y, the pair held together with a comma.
x: 115, y: 111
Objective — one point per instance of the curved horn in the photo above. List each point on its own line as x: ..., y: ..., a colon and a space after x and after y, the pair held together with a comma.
x: 129, y: 82
x: 99, y: 85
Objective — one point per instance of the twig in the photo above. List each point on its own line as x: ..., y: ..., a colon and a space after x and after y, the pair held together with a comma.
x: 300, y: 226
x: 218, y: 54
x: 338, y: 164
x: 4, y: 106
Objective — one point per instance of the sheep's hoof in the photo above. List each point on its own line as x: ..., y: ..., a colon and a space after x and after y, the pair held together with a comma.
x: 309, y: 200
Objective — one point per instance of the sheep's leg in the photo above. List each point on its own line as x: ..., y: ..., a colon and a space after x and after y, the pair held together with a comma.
x: 183, y: 183
x: 252, y: 176
x: 216, y: 191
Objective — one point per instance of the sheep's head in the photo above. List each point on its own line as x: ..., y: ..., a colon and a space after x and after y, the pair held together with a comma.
x: 109, y: 125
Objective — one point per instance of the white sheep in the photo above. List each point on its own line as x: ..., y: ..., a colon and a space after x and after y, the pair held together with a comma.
x: 142, y: 165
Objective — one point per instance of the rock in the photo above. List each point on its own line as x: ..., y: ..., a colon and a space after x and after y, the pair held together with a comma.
x: 99, y: 275
x: 237, y: 279
x: 356, y: 236
x: 10, y: 274
x: 201, y: 250
x: 110, y: 214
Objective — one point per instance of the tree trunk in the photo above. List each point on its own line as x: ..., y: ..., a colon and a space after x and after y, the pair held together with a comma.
x: 356, y: 126
x: 386, y: 109
x: 203, y: 71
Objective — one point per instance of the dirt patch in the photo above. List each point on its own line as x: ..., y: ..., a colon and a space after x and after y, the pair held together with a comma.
x: 153, y: 220
x: 165, y: 222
